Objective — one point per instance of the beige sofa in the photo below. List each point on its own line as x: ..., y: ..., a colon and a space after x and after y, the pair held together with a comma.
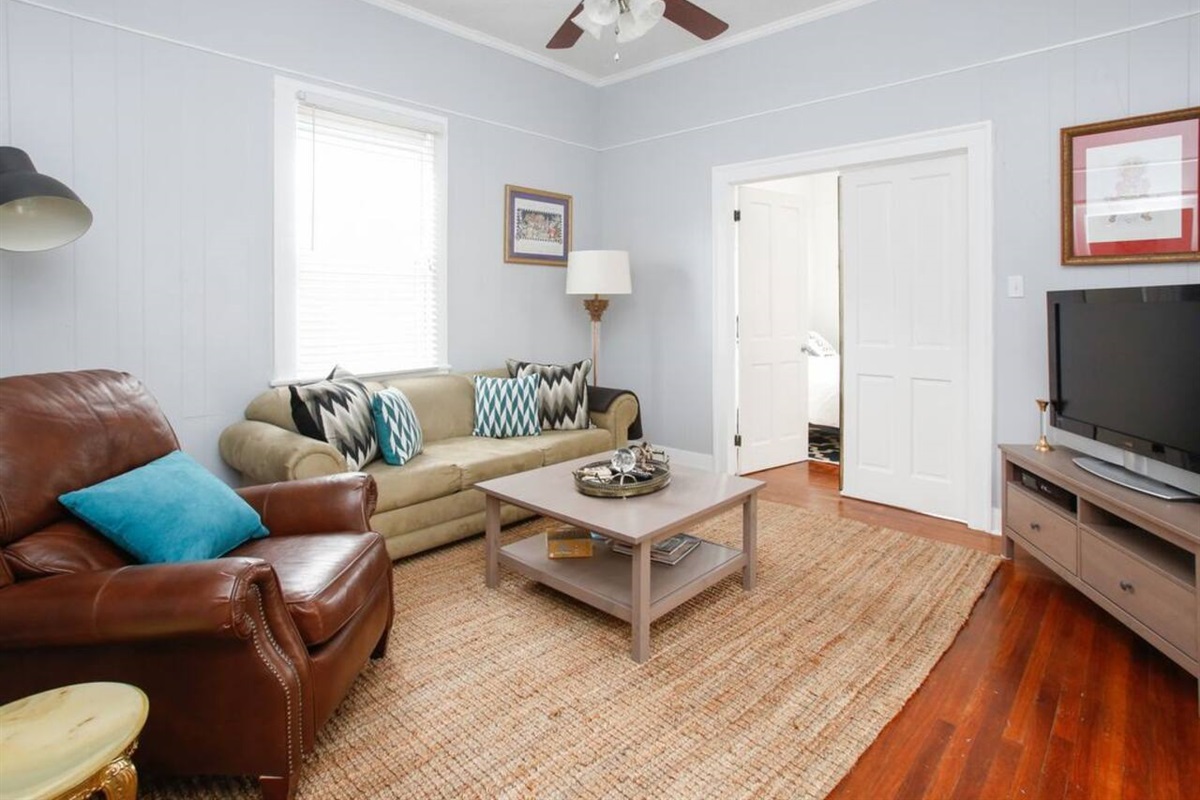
x: 430, y: 500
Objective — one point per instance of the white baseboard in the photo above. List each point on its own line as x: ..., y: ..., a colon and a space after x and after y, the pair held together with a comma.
x: 691, y: 459
x: 995, y: 521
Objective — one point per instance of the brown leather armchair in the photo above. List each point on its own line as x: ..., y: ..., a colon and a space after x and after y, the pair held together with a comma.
x: 243, y: 657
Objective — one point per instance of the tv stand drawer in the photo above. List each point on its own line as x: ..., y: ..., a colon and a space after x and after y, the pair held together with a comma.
x: 1041, y: 526
x: 1161, y: 604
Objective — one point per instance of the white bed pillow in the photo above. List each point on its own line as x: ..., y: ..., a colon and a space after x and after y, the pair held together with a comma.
x: 816, y: 345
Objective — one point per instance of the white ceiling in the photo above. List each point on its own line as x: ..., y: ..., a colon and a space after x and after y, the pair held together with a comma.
x: 522, y: 28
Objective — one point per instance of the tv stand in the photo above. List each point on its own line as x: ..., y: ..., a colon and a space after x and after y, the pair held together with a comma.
x: 1132, y: 480
x: 1137, y: 557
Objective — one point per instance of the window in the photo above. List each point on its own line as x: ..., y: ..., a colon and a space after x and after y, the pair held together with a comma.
x: 360, y: 235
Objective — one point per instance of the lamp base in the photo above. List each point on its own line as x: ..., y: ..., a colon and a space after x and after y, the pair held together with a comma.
x: 595, y: 306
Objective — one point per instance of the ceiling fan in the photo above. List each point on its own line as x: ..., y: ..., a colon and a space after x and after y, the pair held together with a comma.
x: 633, y: 18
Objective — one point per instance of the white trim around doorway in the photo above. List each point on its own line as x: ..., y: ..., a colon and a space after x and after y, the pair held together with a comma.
x: 976, y: 141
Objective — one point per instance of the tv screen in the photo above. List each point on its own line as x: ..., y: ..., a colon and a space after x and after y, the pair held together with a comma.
x: 1125, y: 369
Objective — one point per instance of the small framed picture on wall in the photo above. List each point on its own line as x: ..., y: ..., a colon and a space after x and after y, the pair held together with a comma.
x: 1129, y: 190
x: 537, y: 227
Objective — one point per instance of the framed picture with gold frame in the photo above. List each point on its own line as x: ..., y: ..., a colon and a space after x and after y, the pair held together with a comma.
x: 537, y: 227
x: 1129, y: 190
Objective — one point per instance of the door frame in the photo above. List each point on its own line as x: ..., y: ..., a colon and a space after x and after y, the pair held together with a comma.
x: 976, y: 141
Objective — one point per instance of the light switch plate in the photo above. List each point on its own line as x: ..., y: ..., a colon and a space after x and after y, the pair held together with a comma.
x: 1016, y: 285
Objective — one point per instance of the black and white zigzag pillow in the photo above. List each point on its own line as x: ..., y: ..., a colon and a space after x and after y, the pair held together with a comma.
x: 338, y: 411
x: 563, y: 395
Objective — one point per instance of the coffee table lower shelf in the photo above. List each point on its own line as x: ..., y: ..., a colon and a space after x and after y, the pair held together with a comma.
x: 605, y: 581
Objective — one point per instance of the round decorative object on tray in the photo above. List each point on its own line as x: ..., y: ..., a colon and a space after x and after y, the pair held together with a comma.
x: 590, y: 480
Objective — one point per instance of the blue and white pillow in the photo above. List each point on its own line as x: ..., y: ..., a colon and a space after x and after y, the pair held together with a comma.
x: 507, y: 407
x: 396, y: 426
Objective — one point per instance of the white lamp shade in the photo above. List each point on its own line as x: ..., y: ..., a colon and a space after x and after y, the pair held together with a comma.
x: 598, y: 272
x: 641, y: 17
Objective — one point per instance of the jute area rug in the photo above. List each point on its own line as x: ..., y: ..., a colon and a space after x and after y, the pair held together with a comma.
x: 521, y: 692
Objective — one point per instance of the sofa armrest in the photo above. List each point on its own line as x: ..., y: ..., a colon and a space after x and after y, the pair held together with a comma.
x: 617, y: 418
x: 215, y: 599
x: 264, y: 453
x: 334, y: 503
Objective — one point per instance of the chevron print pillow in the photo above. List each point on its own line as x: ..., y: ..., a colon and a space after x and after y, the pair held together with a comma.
x: 507, y: 407
x: 396, y: 426
x: 563, y: 396
x: 338, y: 411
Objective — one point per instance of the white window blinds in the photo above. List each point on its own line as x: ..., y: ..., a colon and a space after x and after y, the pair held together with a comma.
x: 366, y: 220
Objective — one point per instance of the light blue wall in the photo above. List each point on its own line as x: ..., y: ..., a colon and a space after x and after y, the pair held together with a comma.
x: 159, y: 115
x: 885, y: 69
x: 170, y: 145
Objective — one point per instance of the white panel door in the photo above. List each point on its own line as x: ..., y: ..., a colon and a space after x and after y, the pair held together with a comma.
x: 772, y: 321
x: 904, y: 266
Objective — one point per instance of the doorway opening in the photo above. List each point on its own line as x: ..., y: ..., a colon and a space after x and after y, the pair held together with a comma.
x: 868, y: 387
x: 810, y: 309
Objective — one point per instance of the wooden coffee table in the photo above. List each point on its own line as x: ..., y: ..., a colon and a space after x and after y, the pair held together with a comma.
x: 632, y: 589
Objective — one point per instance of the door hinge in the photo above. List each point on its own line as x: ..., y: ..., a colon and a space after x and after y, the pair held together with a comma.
x: 737, y: 440
x: 737, y: 215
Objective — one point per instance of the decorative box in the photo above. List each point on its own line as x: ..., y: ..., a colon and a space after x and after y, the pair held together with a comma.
x: 569, y: 543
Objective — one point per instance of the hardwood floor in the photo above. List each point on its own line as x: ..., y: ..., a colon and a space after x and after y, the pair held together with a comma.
x: 1042, y: 695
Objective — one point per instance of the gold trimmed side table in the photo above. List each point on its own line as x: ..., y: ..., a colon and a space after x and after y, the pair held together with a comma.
x: 70, y: 743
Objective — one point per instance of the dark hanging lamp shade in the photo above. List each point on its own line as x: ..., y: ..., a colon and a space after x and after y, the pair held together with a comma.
x: 36, y: 211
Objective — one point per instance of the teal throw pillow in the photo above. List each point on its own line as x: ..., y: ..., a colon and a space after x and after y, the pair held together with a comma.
x: 171, y: 509
x: 396, y: 426
x: 507, y: 407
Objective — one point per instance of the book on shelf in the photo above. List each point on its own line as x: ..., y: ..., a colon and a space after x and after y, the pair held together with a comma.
x: 669, y: 551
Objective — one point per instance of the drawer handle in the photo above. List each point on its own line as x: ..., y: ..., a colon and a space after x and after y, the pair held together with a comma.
x: 1033, y: 526
x: 1126, y: 586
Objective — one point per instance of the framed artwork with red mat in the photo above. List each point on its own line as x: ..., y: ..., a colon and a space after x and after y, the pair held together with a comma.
x: 1129, y: 190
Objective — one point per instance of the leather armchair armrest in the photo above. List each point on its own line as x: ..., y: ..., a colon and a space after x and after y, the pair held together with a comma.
x: 263, y: 452
x: 215, y: 599
x: 332, y: 504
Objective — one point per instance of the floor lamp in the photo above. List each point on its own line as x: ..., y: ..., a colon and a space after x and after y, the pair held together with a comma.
x: 597, y: 272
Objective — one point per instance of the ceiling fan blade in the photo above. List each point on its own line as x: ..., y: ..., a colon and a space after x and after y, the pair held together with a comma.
x: 694, y: 19
x: 568, y: 34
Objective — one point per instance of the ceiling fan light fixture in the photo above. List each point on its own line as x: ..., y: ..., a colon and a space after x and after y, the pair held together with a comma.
x: 601, y: 12
x: 588, y: 24
x: 633, y: 18
x: 639, y: 19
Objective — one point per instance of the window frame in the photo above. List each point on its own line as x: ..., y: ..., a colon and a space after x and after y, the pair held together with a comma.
x: 288, y: 95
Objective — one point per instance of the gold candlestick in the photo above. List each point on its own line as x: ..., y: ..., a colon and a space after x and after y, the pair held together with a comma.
x: 1043, y: 444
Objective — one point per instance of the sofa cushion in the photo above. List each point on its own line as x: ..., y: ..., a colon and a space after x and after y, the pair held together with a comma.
x: 338, y: 411
x: 481, y: 458
x: 563, y: 394
x: 167, y: 511
x: 396, y: 426
x: 558, y: 446
x: 445, y: 404
x: 325, y: 577
x: 423, y: 478
x: 64, y: 548
x: 507, y: 407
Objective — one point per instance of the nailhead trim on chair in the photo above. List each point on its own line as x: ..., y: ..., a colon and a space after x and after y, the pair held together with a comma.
x: 282, y: 682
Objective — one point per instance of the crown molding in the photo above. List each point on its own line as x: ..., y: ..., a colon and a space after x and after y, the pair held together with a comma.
x: 724, y: 43
x: 472, y: 35
x: 716, y: 45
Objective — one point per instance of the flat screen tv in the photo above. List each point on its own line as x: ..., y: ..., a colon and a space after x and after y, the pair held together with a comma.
x: 1125, y: 369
